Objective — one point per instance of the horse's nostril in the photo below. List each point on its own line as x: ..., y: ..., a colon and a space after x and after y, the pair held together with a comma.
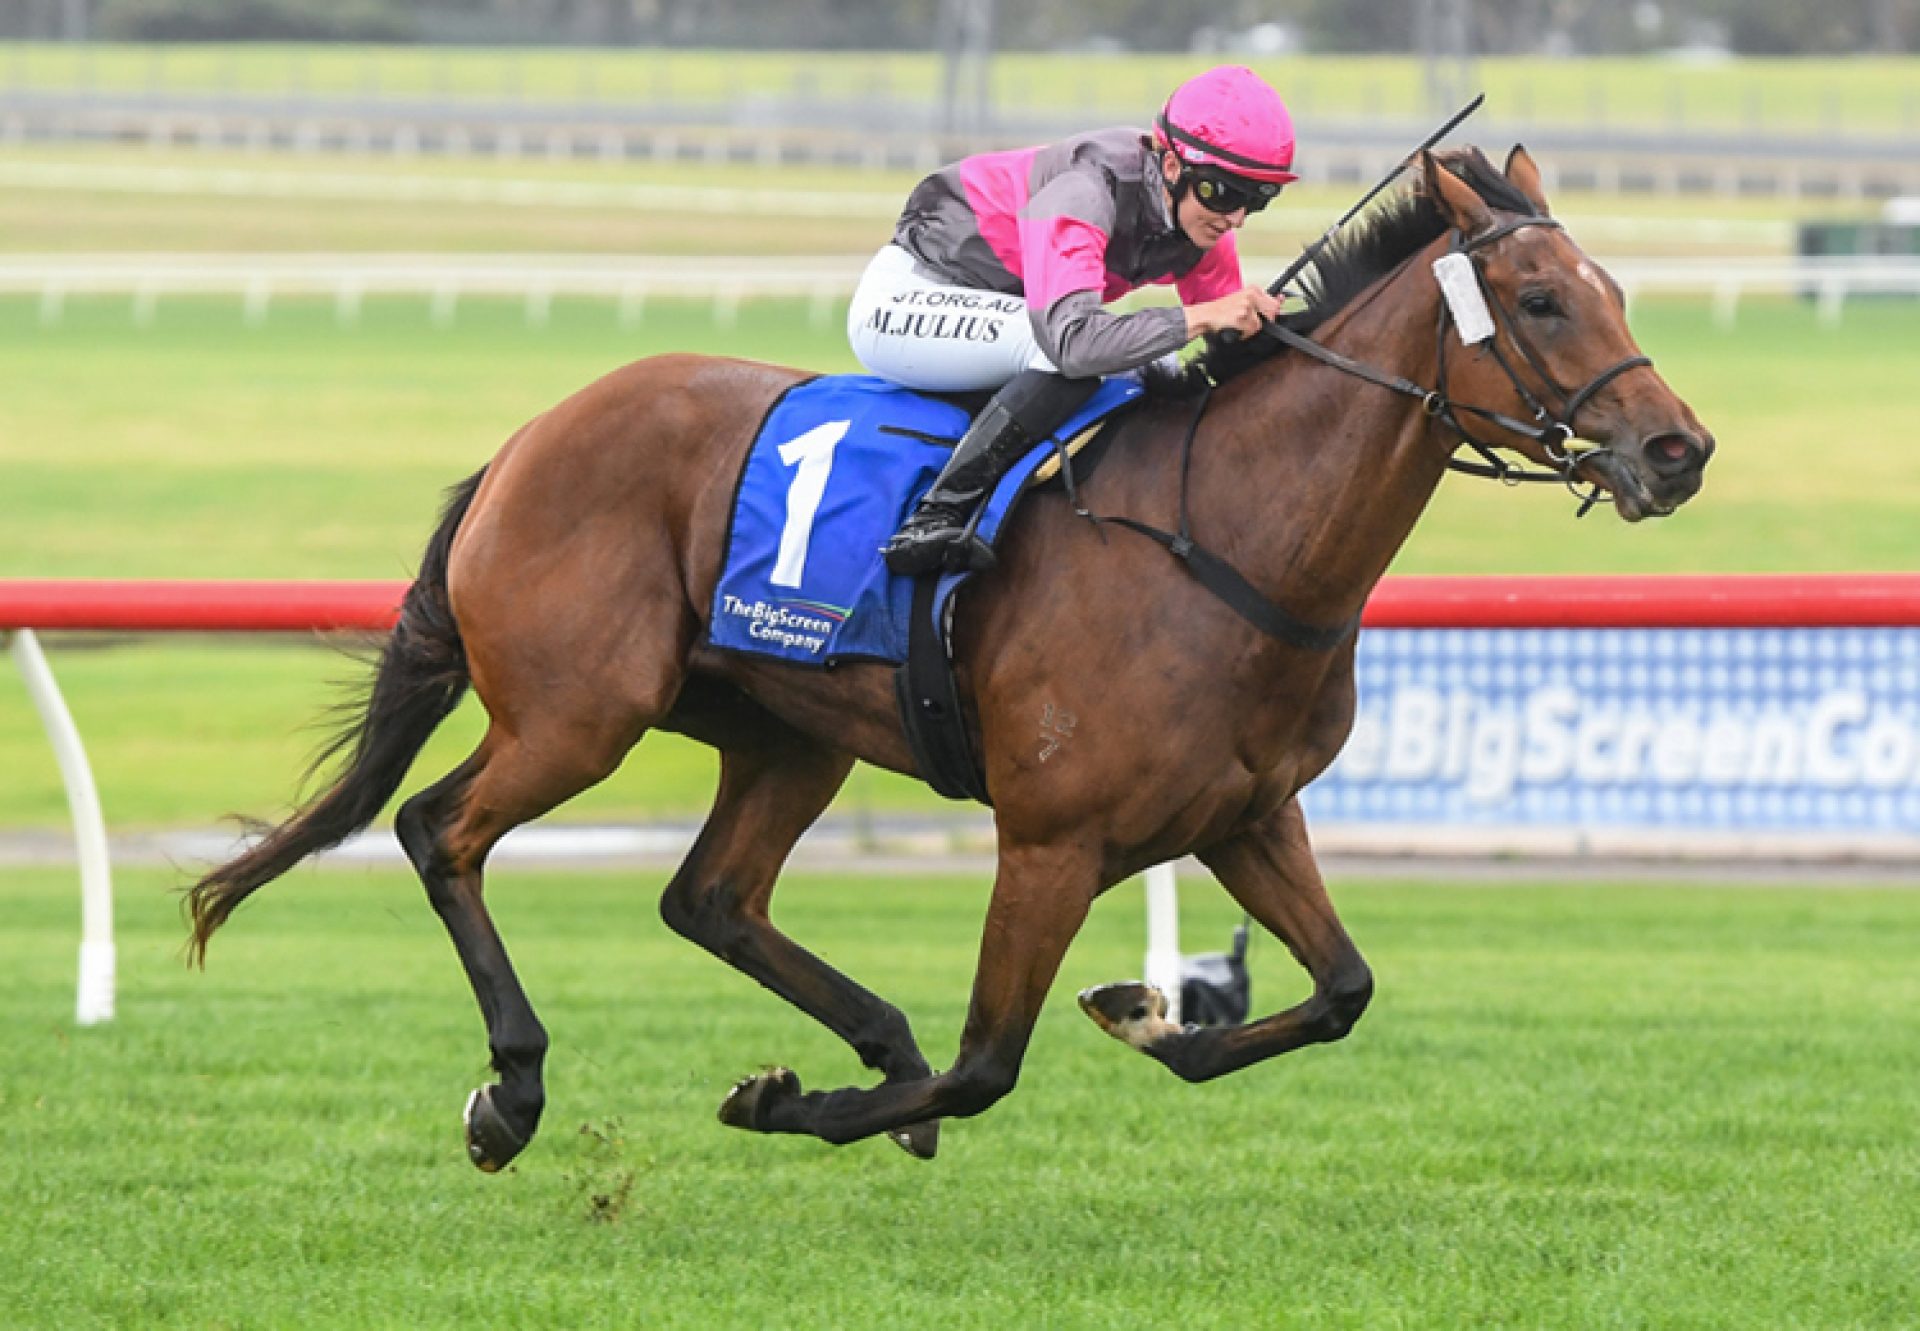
x: 1672, y: 453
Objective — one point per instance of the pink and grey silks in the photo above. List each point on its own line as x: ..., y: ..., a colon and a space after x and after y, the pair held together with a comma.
x: 1060, y: 231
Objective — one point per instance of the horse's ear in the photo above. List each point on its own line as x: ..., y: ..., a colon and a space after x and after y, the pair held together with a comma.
x: 1524, y: 175
x: 1457, y: 201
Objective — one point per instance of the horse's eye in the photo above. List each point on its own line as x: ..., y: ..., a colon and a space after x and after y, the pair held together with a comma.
x: 1539, y: 304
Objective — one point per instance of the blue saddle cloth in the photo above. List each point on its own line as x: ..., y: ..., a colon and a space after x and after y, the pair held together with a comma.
x: 838, y: 465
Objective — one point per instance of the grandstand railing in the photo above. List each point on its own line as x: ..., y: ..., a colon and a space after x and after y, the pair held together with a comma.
x: 1658, y: 601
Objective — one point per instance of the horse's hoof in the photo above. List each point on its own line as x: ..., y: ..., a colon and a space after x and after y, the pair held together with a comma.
x: 919, y: 1140
x: 491, y: 1144
x: 747, y: 1103
x: 1133, y: 1011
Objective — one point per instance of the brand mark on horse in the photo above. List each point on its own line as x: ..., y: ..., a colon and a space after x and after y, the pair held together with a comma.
x: 1056, y: 728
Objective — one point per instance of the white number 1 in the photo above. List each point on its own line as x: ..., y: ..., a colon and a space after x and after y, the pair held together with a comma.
x: 814, y: 452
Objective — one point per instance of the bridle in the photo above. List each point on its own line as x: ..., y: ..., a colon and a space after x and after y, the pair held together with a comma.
x: 1553, y: 431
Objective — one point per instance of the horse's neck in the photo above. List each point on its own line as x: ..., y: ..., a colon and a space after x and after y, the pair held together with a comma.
x: 1321, y: 474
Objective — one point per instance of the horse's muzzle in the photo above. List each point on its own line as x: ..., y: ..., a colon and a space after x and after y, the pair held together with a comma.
x: 1653, y: 477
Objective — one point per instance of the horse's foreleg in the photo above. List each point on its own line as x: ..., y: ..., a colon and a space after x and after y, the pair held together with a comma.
x: 1040, y: 899
x: 448, y: 830
x: 1271, y: 872
x: 769, y: 795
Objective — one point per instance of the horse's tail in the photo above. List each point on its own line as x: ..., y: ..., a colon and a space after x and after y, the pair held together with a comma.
x: 421, y: 676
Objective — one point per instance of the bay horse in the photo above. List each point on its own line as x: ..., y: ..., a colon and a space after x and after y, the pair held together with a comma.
x: 568, y: 583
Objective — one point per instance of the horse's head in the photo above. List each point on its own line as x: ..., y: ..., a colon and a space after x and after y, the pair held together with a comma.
x: 1560, y: 354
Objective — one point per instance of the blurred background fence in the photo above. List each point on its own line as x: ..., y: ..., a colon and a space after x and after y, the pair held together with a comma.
x: 256, y: 280
x: 1662, y: 124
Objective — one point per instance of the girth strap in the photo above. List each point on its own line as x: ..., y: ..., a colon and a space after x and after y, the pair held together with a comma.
x: 929, y: 701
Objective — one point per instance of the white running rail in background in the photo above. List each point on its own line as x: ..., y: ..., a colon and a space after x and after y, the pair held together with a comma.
x: 825, y: 282
x: 349, y: 279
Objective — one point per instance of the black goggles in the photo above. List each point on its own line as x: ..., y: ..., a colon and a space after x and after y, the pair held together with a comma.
x: 1222, y: 192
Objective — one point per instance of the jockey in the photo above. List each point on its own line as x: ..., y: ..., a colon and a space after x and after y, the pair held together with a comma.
x: 1001, y: 264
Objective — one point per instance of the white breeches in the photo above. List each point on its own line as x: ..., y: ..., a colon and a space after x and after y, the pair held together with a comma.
x: 925, y: 334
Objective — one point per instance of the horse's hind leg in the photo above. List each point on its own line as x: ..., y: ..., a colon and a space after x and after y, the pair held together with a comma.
x: 771, y: 790
x: 1271, y: 872
x: 448, y: 830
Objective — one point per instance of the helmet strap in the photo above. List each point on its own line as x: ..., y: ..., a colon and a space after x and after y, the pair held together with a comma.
x: 1183, y: 178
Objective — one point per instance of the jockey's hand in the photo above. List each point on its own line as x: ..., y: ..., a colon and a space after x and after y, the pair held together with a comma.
x: 1240, y: 310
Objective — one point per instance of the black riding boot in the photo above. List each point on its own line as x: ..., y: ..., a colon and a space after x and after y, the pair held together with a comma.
x: 1032, y: 405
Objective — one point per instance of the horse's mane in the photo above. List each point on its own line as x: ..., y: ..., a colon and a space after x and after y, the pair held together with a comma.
x: 1373, y: 246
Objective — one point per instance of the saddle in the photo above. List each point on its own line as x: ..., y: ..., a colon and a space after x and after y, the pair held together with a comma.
x: 837, y: 465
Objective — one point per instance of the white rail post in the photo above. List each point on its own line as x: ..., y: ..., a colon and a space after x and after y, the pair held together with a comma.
x: 95, y: 1001
x: 1833, y: 296
x: 1726, y: 303
x: 633, y: 304
x: 1163, y: 936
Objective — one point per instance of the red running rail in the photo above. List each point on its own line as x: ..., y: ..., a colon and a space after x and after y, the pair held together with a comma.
x: 199, y: 606
x: 1787, y: 600
x: 1670, y: 600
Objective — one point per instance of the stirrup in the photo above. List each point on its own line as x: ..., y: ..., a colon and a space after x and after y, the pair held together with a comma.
x: 950, y: 549
x: 970, y: 554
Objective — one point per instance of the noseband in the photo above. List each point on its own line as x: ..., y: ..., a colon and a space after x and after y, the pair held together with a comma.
x: 1552, y: 431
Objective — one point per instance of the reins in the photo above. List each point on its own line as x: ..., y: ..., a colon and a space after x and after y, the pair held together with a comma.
x: 1552, y: 431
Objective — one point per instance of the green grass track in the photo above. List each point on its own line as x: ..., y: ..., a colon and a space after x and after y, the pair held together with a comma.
x: 1598, y: 1106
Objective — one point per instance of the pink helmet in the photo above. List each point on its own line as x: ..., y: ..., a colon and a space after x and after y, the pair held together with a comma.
x: 1230, y: 119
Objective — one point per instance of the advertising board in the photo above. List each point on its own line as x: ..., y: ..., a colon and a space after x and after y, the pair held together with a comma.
x: 1776, y: 731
